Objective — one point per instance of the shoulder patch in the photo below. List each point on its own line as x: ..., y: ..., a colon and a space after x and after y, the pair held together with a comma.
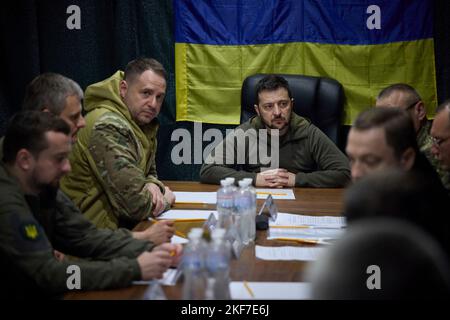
x: 30, y: 231
x: 29, y: 234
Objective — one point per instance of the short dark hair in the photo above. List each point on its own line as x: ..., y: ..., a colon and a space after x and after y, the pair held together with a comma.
x: 50, y: 90
x: 272, y: 82
x: 443, y: 106
x: 137, y: 66
x: 27, y: 129
x: 403, y: 195
x: 397, y: 124
x: 411, y: 94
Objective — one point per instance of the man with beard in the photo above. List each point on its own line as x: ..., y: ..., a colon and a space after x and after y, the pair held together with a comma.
x: 35, y: 157
x: 114, y: 180
x: 407, y: 98
x: 440, y: 134
x: 306, y: 156
x: 62, y: 97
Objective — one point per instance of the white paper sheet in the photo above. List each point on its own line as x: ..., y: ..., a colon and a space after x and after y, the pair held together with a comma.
x: 169, y: 278
x: 277, y: 194
x: 271, y: 290
x: 286, y: 219
x: 195, y: 197
x: 312, y: 234
x: 288, y: 253
x: 186, y: 214
x: 177, y: 239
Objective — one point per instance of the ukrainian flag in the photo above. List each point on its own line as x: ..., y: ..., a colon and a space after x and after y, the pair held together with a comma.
x: 365, y: 45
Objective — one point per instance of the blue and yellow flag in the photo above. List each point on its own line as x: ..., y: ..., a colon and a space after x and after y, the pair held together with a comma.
x: 365, y: 45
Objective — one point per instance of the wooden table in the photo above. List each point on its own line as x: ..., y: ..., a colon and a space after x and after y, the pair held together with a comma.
x: 308, y: 201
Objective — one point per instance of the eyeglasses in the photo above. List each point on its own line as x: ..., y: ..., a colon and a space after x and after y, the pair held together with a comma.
x: 438, y: 141
x: 412, y: 105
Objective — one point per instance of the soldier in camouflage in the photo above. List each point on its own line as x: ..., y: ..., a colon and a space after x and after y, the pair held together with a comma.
x: 62, y: 96
x: 406, y: 97
x: 35, y: 219
x: 114, y: 180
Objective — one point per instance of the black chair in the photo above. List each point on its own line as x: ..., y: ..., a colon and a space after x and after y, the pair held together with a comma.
x: 319, y: 99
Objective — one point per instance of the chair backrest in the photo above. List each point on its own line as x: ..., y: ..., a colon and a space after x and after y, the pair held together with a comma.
x: 319, y: 99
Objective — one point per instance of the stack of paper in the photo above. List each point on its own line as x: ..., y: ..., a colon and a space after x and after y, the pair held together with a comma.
x: 270, y: 290
x: 306, y: 228
x: 286, y: 219
x: 288, y: 253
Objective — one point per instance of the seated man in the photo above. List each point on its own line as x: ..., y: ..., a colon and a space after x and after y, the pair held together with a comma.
x: 383, y: 138
x: 303, y: 155
x: 404, y: 195
x: 61, y: 96
x: 406, y: 97
x: 114, y: 180
x: 440, y: 133
x: 35, y: 219
x: 381, y: 259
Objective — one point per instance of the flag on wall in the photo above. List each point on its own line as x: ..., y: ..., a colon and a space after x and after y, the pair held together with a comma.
x: 365, y: 45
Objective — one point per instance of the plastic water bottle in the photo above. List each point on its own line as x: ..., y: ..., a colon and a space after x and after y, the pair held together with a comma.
x: 253, y: 209
x: 246, y: 210
x: 218, y: 266
x: 193, y: 265
x: 225, y: 204
x: 234, y: 192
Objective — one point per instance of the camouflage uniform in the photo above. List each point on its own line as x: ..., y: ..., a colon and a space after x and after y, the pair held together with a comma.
x: 425, y: 143
x: 32, y: 227
x: 112, y: 160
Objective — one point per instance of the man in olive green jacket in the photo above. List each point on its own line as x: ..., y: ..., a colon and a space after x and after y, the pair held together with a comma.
x: 35, y: 219
x: 306, y: 157
x: 114, y: 180
x: 405, y: 97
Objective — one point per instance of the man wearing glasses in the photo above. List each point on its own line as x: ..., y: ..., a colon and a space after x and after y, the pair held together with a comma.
x: 440, y: 135
x: 406, y: 97
x: 307, y: 158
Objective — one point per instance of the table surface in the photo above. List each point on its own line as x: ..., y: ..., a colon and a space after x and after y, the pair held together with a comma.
x: 310, y: 201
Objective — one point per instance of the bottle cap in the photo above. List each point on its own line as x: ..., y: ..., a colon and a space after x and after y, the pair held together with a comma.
x: 243, y: 183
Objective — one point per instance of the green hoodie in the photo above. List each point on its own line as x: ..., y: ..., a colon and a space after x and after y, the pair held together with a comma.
x: 303, y: 150
x: 112, y: 160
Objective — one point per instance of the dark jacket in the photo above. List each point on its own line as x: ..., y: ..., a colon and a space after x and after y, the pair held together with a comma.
x: 303, y: 150
x: 32, y: 227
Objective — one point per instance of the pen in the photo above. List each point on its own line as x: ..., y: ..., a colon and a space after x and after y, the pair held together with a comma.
x: 250, y: 291
x: 310, y: 241
x: 272, y: 193
x: 180, y: 234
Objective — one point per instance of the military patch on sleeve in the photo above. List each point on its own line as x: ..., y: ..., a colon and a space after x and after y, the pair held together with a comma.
x: 30, y: 231
x: 29, y: 234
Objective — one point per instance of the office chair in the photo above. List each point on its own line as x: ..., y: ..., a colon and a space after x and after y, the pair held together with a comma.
x: 319, y: 99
